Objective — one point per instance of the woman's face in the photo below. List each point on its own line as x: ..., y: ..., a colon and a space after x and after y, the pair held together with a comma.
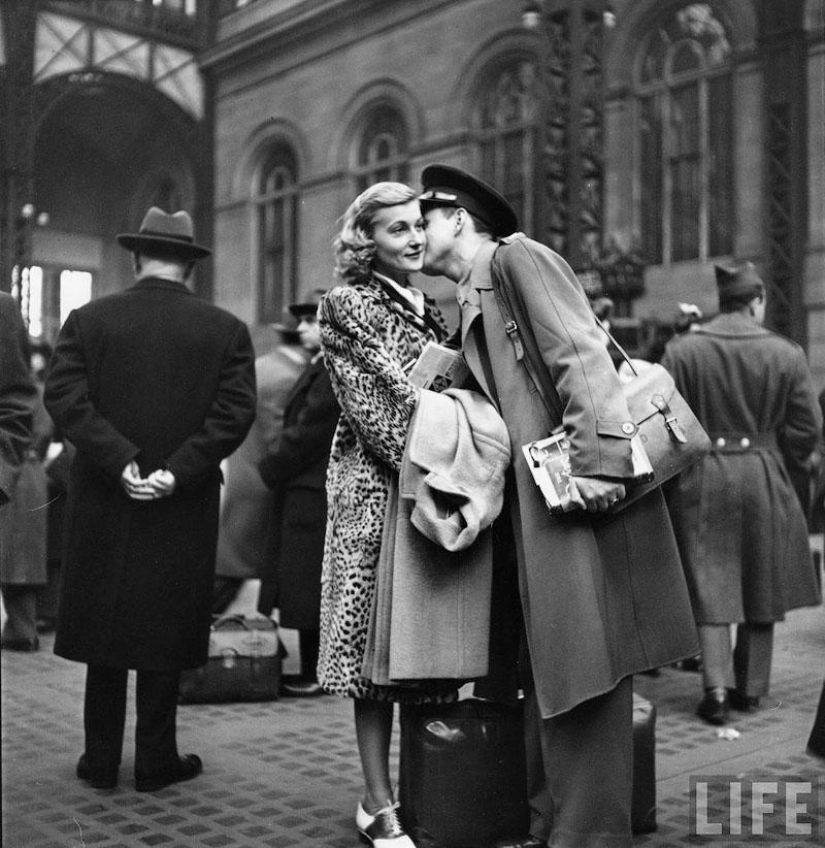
x: 398, y: 233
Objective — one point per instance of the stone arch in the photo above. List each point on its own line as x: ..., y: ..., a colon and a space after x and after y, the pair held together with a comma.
x: 488, y: 61
x: 257, y: 146
x: 379, y: 93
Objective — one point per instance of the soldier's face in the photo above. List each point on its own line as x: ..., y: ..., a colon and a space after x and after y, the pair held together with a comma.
x: 441, y: 232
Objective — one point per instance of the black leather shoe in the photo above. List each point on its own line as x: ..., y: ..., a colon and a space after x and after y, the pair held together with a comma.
x: 301, y: 689
x: 713, y: 708
x: 188, y: 766
x: 743, y: 703
x: 101, y: 780
x: 521, y: 842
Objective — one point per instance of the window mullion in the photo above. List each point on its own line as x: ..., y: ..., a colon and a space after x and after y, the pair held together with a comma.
x: 667, y: 179
x: 704, y: 169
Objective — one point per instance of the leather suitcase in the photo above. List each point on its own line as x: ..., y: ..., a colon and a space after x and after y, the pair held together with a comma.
x: 244, y: 663
x: 643, y: 810
x: 462, y: 774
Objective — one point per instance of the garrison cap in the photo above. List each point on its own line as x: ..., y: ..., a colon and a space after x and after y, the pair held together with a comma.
x: 448, y: 186
x: 740, y: 278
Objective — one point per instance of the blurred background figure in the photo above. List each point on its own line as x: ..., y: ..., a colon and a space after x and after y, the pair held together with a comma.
x: 295, y: 469
x: 741, y: 528
x: 22, y: 423
x: 18, y: 395
x: 247, y: 542
x: 56, y: 464
x: 688, y: 319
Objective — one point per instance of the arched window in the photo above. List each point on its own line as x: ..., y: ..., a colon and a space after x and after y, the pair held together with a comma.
x: 684, y: 91
x: 382, y: 148
x: 508, y: 120
x: 276, y: 201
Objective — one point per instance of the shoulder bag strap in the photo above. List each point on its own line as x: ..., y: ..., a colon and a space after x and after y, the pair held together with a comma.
x: 618, y: 347
x: 525, y: 347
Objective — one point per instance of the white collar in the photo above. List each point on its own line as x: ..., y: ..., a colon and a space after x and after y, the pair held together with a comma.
x: 413, y: 296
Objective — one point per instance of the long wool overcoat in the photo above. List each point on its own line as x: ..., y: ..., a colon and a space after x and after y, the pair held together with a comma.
x: 741, y: 528
x: 296, y: 468
x: 156, y: 375
x: 24, y: 522
x: 602, y: 596
x: 247, y: 545
x: 368, y: 337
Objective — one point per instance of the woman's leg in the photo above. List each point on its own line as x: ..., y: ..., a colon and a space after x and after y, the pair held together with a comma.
x: 373, y: 729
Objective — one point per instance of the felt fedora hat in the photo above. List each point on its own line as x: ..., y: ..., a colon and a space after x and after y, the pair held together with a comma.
x: 308, y: 307
x: 166, y: 233
x: 445, y: 185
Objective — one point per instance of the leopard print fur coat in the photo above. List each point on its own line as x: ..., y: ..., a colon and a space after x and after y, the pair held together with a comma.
x: 368, y: 336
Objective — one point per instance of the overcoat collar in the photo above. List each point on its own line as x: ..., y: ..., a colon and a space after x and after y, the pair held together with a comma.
x: 160, y: 283
x: 470, y: 300
x: 733, y: 324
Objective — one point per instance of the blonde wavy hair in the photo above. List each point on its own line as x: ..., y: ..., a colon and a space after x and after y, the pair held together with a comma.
x: 353, y: 246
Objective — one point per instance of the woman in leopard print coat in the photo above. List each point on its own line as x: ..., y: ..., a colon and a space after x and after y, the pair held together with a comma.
x: 371, y: 328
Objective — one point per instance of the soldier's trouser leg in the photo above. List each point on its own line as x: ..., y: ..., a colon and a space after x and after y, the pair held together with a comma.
x: 717, y: 656
x: 752, y: 659
x: 588, y: 769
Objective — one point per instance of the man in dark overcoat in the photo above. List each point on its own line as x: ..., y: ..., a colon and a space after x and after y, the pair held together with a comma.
x: 18, y: 395
x: 603, y: 595
x: 741, y: 528
x: 295, y: 468
x: 154, y: 387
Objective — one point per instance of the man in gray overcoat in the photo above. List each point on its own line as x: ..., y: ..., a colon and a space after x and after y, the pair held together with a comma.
x: 740, y: 525
x: 603, y: 595
x: 154, y: 387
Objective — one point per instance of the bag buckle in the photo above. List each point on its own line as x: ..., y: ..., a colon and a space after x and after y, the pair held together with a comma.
x: 511, y: 328
x: 677, y: 434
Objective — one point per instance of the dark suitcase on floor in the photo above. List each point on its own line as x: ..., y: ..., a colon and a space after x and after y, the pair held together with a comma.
x: 643, y: 810
x: 462, y: 774
x: 244, y: 663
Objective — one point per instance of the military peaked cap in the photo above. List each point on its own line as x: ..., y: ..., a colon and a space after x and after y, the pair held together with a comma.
x: 448, y: 186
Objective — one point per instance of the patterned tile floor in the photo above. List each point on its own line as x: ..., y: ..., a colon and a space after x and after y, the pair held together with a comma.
x: 286, y: 773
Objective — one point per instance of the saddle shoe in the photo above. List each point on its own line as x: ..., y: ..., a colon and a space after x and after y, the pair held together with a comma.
x: 383, y: 830
x: 187, y: 767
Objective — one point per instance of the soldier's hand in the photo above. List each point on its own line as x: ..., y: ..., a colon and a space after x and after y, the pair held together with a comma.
x: 595, y: 494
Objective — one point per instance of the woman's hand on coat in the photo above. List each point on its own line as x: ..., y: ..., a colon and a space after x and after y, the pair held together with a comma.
x: 595, y: 494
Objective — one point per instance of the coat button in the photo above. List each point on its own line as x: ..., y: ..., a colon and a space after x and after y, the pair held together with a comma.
x: 720, y: 442
x: 745, y: 443
x: 628, y: 428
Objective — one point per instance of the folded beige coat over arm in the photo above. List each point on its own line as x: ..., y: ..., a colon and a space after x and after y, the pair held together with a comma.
x: 432, y: 613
